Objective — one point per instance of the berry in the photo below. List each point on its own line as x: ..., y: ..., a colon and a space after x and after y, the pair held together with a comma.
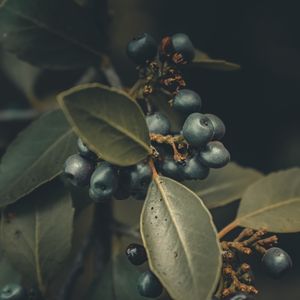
x: 193, y: 169
x: 142, y: 48
x: 240, y: 296
x: 149, y: 286
x: 219, y: 126
x: 137, y: 178
x: 182, y: 44
x: 197, y: 129
x: 171, y: 168
x: 158, y: 124
x: 84, y: 150
x: 187, y: 101
x: 122, y: 192
x: 13, y: 292
x: 276, y: 262
x: 104, y: 182
x: 214, y: 155
x: 78, y: 170
x: 136, y: 254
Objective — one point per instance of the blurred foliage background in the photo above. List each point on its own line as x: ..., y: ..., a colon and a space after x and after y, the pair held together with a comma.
x: 259, y: 104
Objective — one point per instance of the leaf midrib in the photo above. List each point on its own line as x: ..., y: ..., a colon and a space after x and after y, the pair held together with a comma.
x: 164, y: 196
x: 267, y: 208
x: 40, y: 24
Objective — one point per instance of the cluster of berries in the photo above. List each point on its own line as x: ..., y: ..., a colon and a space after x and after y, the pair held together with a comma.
x: 104, y: 179
x: 199, y: 146
x: 185, y: 155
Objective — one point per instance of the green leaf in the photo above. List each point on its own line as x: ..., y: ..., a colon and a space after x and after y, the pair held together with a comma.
x: 225, y: 185
x: 108, y: 121
x: 181, y: 240
x: 36, y: 156
x: 38, y: 238
x: 161, y: 101
x: 119, y: 279
x: 7, y: 273
x: 272, y: 203
x: 50, y: 35
x: 202, y: 60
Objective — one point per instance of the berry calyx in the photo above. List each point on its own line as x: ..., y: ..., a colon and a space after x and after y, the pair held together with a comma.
x: 78, y: 170
x: 187, y: 101
x: 197, y: 130
x: 219, y: 126
x: 149, y: 286
x: 136, y: 254
x: 276, y: 262
x: 104, y: 182
x: 142, y: 48
x: 13, y: 292
x: 158, y: 123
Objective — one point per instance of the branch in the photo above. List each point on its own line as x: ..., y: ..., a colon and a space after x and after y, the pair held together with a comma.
x: 110, y: 73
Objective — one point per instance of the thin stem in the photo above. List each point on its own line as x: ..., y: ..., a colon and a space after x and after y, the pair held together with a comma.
x: 135, y: 88
x: 110, y: 73
x: 154, y: 171
x: 228, y: 229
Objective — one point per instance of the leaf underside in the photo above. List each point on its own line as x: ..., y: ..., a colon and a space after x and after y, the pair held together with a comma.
x: 273, y: 203
x: 181, y: 240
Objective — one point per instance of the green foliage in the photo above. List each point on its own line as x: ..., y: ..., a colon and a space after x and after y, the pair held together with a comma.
x: 273, y: 203
x: 37, y: 238
x: 35, y: 157
x: 118, y: 281
x: 180, y: 240
x: 225, y: 185
x: 50, y: 35
x: 202, y: 60
x: 108, y: 121
x: 7, y: 273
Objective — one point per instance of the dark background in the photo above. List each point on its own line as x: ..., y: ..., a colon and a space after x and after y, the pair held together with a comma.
x: 259, y: 104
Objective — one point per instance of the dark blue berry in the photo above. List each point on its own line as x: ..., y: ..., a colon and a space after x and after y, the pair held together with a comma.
x: 219, y: 126
x: 193, y: 169
x: 182, y: 44
x: 171, y: 168
x: 187, y: 101
x: 214, y: 155
x: 13, y: 292
x: 276, y: 262
x: 197, y: 129
x: 104, y: 182
x: 240, y: 296
x: 158, y: 123
x: 84, y: 150
x: 136, y: 254
x: 142, y: 48
x: 78, y: 170
x: 137, y: 178
x: 149, y: 286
